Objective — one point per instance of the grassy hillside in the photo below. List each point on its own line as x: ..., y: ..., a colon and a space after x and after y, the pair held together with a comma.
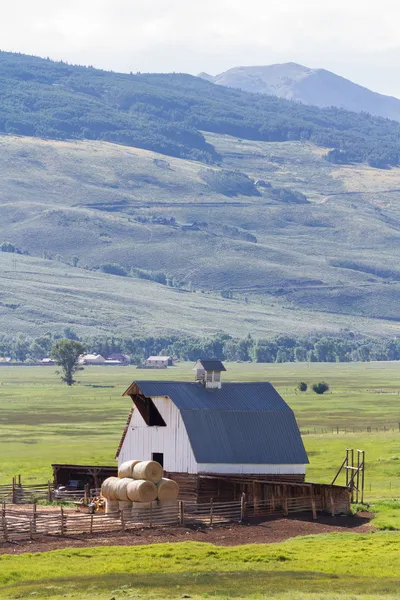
x: 39, y: 295
x: 332, y: 251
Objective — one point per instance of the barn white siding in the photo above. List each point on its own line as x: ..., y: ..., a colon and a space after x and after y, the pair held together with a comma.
x: 248, y: 469
x: 141, y: 440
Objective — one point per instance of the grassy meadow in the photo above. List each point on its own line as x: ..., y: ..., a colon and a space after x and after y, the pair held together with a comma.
x: 44, y: 421
x: 328, y: 567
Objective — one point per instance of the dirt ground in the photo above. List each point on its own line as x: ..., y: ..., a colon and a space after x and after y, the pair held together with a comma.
x: 268, y: 531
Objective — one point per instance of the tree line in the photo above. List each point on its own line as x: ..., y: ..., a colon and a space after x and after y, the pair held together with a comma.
x: 347, y: 347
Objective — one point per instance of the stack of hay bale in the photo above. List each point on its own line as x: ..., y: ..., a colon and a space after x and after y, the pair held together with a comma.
x: 138, y: 484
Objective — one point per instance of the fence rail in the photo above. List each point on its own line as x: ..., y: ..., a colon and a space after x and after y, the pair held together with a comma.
x: 16, y: 525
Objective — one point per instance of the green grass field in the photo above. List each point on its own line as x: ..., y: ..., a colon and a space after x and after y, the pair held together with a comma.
x: 43, y: 421
x: 345, y: 566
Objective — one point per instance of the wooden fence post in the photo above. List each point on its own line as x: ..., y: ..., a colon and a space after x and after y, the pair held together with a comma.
x: 313, y: 508
x: 34, y: 516
x: 13, y: 491
x: 242, y: 507
x: 181, y: 513
x: 91, y: 523
x: 211, y: 511
x: 49, y: 494
x: 121, y: 514
x: 62, y: 521
x: 285, y: 506
x: 332, y: 506
x: 4, y: 523
x: 151, y: 515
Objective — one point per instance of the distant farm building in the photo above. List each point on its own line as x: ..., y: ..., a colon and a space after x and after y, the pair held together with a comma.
x: 159, y: 362
x: 118, y: 358
x: 209, y: 436
x: 91, y: 359
x: 47, y: 362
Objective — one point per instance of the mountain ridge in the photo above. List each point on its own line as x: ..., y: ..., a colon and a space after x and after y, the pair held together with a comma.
x: 317, y: 87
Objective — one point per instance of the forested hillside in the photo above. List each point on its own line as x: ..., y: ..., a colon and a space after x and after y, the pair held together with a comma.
x: 166, y: 113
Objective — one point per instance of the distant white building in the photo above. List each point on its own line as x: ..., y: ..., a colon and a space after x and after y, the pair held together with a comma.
x: 91, y: 359
x: 159, y: 362
x: 47, y: 361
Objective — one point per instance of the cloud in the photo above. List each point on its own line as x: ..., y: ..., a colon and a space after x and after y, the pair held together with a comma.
x: 211, y: 35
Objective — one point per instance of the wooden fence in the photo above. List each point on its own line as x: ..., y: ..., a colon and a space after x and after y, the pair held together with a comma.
x: 16, y: 493
x: 17, y: 525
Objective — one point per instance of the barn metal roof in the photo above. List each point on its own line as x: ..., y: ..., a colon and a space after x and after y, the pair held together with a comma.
x: 239, y: 423
x: 211, y: 365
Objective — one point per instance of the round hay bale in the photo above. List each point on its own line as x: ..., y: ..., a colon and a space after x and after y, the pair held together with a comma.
x: 150, y: 470
x: 141, y: 491
x: 167, y: 489
x: 120, y: 489
x: 107, y: 488
x: 111, y: 506
x: 126, y: 469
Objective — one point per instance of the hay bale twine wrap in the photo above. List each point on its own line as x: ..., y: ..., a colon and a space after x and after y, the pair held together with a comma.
x: 150, y: 470
x: 141, y: 491
x: 167, y: 489
x: 126, y: 469
x: 112, y: 506
x: 108, y: 487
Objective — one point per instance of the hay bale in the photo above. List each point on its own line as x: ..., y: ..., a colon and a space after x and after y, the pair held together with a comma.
x: 150, y: 470
x: 126, y: 469
x: 107, y: 488
x: 141, y: 491
x: 167, y: 489
x: 112, y: 506
x: 120, y: 488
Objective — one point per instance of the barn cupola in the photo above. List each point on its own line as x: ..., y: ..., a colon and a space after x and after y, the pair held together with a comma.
x: 208, y: 373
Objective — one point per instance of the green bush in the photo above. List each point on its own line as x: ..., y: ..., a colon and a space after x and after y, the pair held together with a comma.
x: 302, y: 386
x: 114, y: 269
x: 320, y: 388
x: 229, y: 183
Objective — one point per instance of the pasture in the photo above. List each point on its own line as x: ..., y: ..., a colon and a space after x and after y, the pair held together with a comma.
x: 328, y: 567
x: 44, y: 421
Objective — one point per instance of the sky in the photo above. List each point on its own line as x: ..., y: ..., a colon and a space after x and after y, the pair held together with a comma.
x: 357, y: 39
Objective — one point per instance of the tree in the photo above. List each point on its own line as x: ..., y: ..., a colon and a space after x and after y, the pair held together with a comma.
x: 66, y: 354
x: 320, y: 388
x: 302, y: 386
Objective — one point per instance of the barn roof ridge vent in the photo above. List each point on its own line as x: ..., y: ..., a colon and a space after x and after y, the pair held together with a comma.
x: 208, y: 372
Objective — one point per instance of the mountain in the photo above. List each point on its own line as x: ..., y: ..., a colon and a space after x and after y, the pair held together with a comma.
x: 169, y: 113
x: 317, y: 87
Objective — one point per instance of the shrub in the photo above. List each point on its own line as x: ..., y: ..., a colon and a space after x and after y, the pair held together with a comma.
x: 302, y: 386
x: 114, y: 269
x: 229, y: 183
x: 320, y: 388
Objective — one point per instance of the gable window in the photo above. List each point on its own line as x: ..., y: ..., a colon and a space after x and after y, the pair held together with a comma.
x: 149, y: 412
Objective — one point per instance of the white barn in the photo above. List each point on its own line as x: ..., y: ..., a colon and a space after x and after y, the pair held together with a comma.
x: 159, y: 362
x: 207, y: 428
